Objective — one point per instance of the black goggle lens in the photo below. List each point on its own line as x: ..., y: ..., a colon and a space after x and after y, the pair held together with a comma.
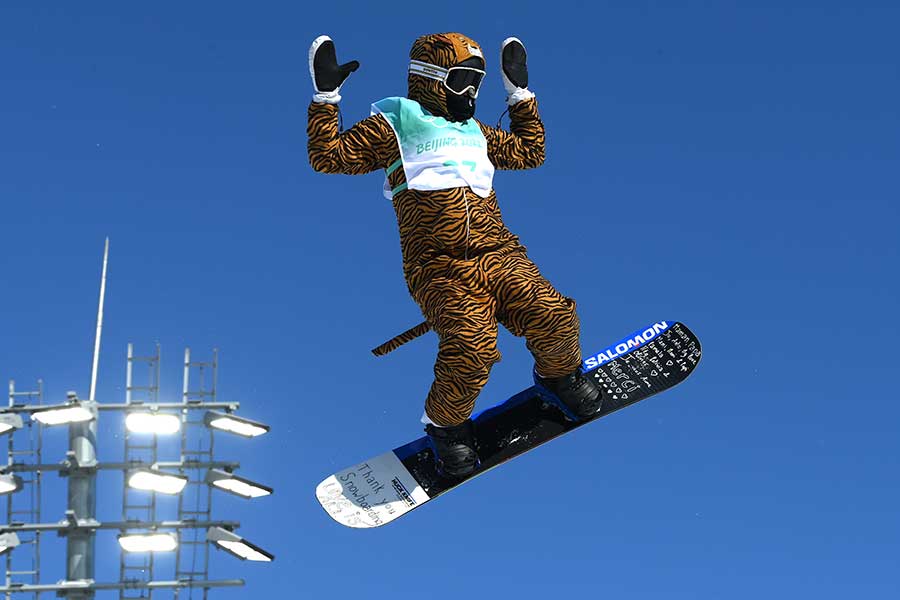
x: 459, y: 80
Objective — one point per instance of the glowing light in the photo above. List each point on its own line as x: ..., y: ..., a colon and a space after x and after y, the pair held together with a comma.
x: 63, y: 416
x: 244, y: 551
x: 148, y: 542
x: 236, y: 545
x: 10, y: 484
x: 157, y: 481
x: 158, y: 423
x: 236, y: 485
x: 9, y: 422
x: 234, y: 424
x: 8, y: 541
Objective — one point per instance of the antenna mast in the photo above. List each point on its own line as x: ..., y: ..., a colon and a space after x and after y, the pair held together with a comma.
x: 99, y: 322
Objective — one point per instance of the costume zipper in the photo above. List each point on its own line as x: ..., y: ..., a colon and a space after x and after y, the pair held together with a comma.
x: 466, y: 254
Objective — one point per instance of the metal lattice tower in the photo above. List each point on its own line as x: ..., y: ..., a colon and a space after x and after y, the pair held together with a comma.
x: 141, y: 531
x: 25, y: 506
x: 195, y: 503
x: 139, y: 505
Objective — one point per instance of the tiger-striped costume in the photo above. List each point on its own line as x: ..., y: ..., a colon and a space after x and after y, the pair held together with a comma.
x: 463, y: 267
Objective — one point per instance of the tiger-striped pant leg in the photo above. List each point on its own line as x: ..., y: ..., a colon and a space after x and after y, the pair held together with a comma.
x: 529, y: 306
x: 464, y: 318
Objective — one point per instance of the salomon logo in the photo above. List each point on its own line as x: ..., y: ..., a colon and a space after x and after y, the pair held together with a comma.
x: 627, y: 345
x: 402, y: 492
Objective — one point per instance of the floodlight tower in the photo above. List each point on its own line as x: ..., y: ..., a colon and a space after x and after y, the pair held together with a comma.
x: 143, y: 534
x: 191, y: 478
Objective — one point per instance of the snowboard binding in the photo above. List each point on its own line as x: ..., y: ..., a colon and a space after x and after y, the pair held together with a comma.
x: 455, y: 449
x: 576, y: 394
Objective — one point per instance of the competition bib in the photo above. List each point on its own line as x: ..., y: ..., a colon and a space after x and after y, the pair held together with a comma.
x: 436, y: 154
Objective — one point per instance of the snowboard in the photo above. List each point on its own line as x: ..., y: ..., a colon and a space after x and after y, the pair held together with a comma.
x: 388, y: 486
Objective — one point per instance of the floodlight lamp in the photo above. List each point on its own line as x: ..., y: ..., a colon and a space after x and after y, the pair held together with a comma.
x: 10, y: 483
x: 237, y: 546
x: 73, y: 412
x: 8, y: 541
x: 148, y: 542
x: 157, y: 481
x: 9, y: 422
x: 234, y: 424
x: 152, y: 422
x: 238, y: 486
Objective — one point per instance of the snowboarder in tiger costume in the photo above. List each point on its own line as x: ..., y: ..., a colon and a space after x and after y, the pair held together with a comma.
x: 463, y: 267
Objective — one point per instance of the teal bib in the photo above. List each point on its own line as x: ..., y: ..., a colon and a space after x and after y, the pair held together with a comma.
x: 436, y: 154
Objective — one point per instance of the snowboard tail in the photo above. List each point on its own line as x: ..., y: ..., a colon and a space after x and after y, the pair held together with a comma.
x: 392, y: 484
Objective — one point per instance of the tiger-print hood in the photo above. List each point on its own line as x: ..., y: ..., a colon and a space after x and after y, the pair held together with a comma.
x: 444, y: 50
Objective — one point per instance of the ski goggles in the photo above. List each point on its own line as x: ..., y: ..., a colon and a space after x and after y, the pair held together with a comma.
x: 457, y: 80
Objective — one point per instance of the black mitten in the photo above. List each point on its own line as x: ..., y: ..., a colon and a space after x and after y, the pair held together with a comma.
x: 514, y: 69
x: 327, y: 75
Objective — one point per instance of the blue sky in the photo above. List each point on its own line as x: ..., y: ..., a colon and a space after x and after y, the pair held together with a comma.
x: 732, y: 165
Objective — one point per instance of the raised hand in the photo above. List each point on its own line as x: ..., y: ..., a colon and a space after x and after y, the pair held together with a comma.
x: 514, y: 70
x: 327, y: 75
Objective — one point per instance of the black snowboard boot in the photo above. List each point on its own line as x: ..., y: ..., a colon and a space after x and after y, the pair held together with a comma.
x: 578, y: 392
x: 455, y: 446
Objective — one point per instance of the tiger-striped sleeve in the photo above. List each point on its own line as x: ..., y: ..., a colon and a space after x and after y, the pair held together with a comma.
x: 363, y: 148
x: 523, y: 146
